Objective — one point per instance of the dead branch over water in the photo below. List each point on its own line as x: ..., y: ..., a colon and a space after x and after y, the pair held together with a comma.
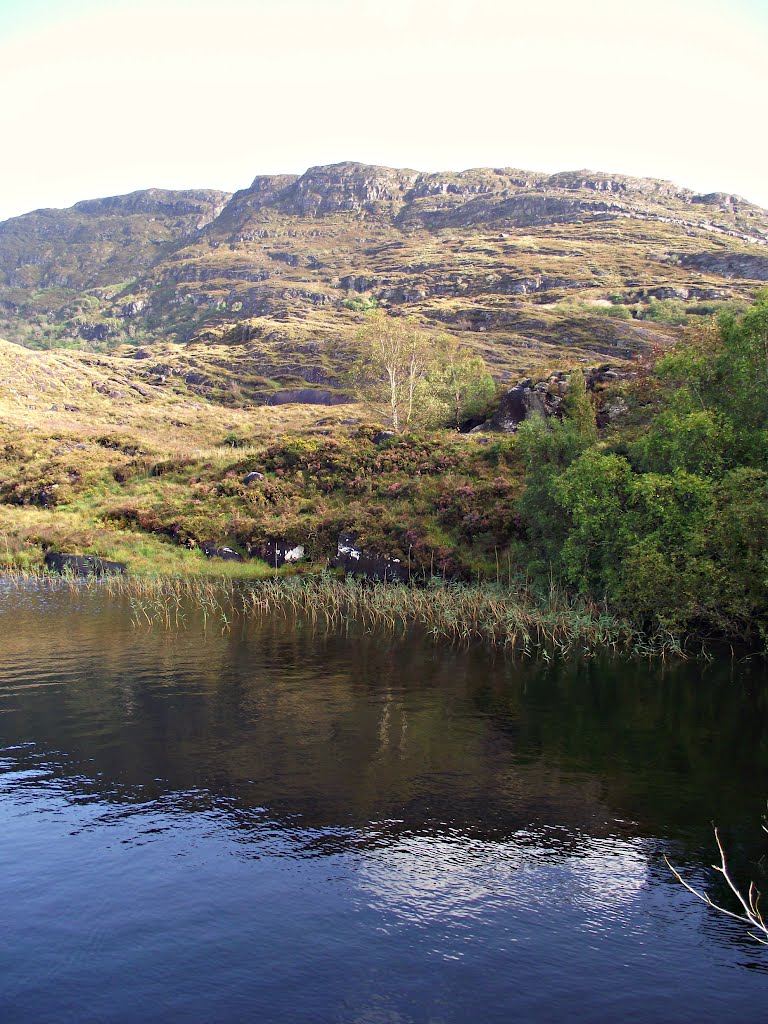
x: 750, y: 912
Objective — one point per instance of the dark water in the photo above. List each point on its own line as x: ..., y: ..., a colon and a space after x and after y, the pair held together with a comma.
x: 274, y: 826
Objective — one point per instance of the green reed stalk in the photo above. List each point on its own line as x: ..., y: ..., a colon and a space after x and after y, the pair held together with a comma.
x: 500, y: 615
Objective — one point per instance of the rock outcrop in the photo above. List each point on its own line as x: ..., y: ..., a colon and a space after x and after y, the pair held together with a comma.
x: 82, y: 565
x: 278, y: 553
x: 211, y: 550
x: 357, y: 561
x: 309, y: 396
x: 545, y: 397
x: 752, y: 266
x: 522, y: 401
x: 100, y: 242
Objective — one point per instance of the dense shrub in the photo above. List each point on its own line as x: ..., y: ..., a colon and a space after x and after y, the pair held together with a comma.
x: 670, y: 529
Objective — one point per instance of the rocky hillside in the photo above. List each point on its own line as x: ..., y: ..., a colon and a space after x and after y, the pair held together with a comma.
x: 61, y: 269
x: 268, y: 288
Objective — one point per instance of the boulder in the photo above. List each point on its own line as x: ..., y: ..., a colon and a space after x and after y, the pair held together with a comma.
x: 278, y: 552
x: 358, y: 562
x: 524, y: 400
x: 598, y: 376
x: 611, y: 412
x: 82, y: 565
x: 210, y: 550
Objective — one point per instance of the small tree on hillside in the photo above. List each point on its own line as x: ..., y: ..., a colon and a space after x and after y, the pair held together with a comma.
x: 395, y: 365
x: 577, y: 406
x: 458, y: 380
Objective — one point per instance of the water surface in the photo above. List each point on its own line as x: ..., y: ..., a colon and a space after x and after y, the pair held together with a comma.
x: 271, y: 824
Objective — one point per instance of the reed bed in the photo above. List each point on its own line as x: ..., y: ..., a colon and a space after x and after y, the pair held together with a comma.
x: 169, y: 601
x: 508, y: 616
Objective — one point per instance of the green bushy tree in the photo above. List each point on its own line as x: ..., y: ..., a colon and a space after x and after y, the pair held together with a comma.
x: 672, y: 528
x: 457, y: 382
x: 724, y: 371
x: 548, y: 447
x: 577, y: 406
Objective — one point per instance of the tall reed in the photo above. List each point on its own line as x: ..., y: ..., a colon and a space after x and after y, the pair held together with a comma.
x: 510, y: 616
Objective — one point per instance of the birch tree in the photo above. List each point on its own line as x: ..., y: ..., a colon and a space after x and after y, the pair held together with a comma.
x: 397, y: 361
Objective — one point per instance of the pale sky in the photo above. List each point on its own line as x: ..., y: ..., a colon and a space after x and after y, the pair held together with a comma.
x: 102, y: 97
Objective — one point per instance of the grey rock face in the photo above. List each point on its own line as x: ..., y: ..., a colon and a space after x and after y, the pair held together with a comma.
x: 134, y: 230
x: 748, y: 265
x: 130, y: 309
x: 203, y: 204
x: 350, y: 187
x: 196, y: 379
x: 598, y: 375
x: 210, y: 550
x: 545, y: 397
x: 612, y: 412
x: 522, y: 401
x: 278, y: 552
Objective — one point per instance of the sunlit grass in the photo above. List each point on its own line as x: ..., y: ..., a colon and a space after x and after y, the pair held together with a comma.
x: 23, y: 529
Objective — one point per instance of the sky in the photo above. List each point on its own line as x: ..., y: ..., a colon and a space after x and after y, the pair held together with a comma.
x: 103, y: 97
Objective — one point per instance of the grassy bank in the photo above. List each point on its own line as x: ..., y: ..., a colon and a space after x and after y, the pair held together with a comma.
x: 24, y: 530
x: 438, y: 500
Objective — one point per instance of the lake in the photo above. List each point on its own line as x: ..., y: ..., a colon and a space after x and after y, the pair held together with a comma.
x: 267, y: 823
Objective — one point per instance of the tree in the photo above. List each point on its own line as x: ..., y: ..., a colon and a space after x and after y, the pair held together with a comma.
x: 395, y: 364
x: 547, y: 447
x: 724, y: 373
x: 458, y: 380
x: 577, y: 406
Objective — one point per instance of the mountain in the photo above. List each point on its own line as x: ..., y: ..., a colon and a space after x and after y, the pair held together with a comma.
x: 99, y: 241
x: 268, y: 288
x: 59, y: 269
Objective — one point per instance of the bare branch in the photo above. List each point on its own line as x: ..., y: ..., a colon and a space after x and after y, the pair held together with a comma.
x: 750, y: 904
